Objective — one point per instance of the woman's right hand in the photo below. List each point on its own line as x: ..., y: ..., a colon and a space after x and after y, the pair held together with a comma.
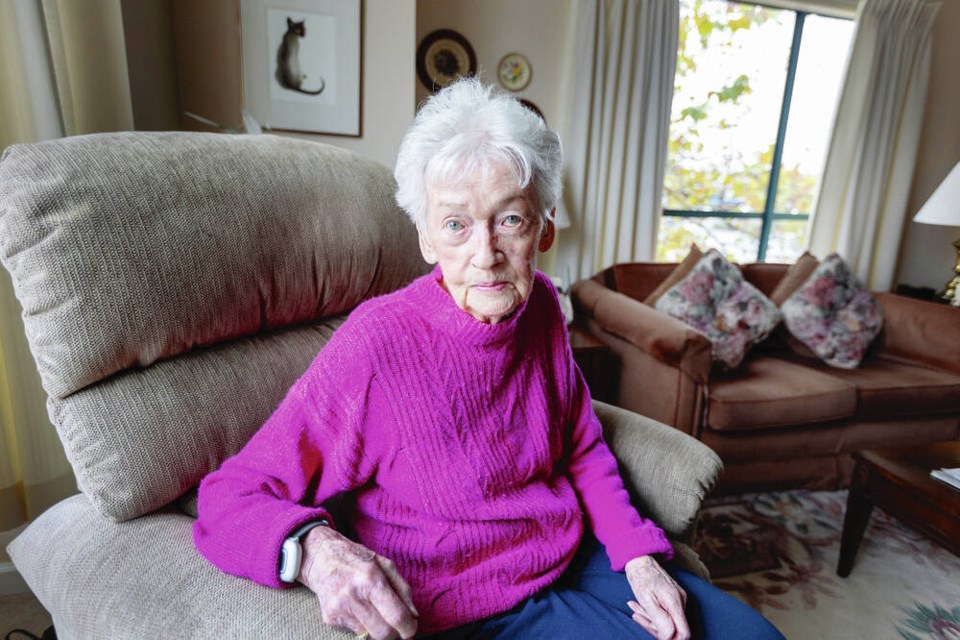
x: 357, y: 589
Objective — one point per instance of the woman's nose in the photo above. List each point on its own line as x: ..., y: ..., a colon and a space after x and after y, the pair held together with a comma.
x: 486, y: 253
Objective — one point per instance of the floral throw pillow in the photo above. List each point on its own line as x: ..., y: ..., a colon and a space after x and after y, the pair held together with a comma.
x: 716, y: 300
x: 833, y: 314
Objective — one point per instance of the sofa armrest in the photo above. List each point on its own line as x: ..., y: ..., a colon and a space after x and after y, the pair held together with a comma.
x: 665, y: 338
x: 666, y: 472
x: 920, y: 331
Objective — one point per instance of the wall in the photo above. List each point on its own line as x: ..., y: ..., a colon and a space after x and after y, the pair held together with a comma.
x: 209, y: 63
x: 926, y: 256
x: 148, y: 30
x: 393, y: 28
x: 538, y: 29
x: 389, y: 70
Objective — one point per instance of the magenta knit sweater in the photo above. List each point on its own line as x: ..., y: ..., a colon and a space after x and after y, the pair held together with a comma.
x: 473, y: 449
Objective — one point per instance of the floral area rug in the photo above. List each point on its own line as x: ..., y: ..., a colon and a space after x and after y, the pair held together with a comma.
x: 778, y: 552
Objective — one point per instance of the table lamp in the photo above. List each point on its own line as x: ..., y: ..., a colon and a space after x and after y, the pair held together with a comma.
x: 943, y: 208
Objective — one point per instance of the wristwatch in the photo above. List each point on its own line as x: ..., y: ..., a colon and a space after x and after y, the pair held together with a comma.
x: 291, y: 553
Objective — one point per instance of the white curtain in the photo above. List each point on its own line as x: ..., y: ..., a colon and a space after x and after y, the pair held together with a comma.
x: 62, y: 71
x: 616, y: 140
x: 866, y: 181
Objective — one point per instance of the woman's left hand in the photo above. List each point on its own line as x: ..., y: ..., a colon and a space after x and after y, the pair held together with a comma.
x: 659, y: 600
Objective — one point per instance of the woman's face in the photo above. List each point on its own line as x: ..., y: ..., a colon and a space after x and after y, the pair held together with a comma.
x: 484, y: 232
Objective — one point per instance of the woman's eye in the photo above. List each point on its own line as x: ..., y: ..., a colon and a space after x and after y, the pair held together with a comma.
x: 512, y: 220
x: 454, y: 225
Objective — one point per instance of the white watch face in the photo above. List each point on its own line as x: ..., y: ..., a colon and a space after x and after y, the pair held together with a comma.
x: 290, y: 557
x: 291, y: 553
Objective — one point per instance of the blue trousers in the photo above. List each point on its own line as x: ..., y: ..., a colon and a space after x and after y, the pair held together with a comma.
x: 590, y: 601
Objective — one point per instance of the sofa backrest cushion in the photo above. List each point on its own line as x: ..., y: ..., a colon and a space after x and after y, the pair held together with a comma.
x: 920, y: 331
x: 635, y: 280
x: 794, y: 277
x: 643, y: 281
x: 763, y: 275
x: 681, y: 272
x: 170, y: 285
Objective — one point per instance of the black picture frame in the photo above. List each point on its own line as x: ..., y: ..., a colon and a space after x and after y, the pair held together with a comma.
x: 444, y: 56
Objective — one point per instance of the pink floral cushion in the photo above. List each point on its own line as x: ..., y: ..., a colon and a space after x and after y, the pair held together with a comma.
x: 716, y: 300
x: 833, y: 314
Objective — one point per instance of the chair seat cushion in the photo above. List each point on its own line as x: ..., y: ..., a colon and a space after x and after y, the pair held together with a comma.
x: 144, y: 579
x: 766, y: 392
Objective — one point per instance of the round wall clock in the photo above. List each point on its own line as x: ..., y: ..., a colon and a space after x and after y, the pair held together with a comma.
x: 443, y: 56
x: 514, y: 72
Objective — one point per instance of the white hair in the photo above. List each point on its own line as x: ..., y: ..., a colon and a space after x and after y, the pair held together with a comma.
x: 464, y: 130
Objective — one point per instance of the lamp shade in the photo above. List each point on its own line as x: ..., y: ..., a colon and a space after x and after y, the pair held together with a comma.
x: 943, y: 207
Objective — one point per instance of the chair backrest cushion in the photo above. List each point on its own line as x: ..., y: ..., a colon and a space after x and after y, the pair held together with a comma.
x: 174, y: 285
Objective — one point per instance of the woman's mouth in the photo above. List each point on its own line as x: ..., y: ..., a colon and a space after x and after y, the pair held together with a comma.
x: 491, y: 287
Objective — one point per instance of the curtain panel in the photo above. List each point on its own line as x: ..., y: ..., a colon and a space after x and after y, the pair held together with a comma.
x: 866, y: 180
x: 63, y: 70
x: 616, y: 139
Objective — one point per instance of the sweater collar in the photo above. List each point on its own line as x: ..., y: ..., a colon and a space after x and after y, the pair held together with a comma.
x: 445, y: 315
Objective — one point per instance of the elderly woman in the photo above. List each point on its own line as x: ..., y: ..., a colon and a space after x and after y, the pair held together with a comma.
x: 454, y: 415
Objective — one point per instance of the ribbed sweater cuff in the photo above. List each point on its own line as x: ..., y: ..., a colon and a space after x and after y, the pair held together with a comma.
x: 633, y: 545
x: 285, y: 522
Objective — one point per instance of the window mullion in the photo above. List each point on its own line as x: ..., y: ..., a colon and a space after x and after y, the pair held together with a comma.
x: 767, y: 224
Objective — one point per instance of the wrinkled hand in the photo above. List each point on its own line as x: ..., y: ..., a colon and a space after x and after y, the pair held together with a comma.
x: 357, y: 589
x: 659, y: 600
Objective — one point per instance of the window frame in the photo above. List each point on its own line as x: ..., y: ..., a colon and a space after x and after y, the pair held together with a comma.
x: 768, y: 216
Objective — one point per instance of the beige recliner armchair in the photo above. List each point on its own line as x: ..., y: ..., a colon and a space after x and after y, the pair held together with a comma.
x: 174, y: 285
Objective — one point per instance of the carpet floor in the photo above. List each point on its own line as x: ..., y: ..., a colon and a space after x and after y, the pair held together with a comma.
x: 778, y: 552
x: 22, y: 611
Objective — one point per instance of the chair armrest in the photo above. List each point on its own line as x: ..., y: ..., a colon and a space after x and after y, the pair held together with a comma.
x: 665, y: 338
x: 920, y: 331
x: 666, y: 472
x: 144, y: 578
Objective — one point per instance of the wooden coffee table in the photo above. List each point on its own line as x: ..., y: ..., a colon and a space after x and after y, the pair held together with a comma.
x: 898, y: 481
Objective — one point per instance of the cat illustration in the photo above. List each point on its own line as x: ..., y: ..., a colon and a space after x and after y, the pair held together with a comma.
x: 288, y: 60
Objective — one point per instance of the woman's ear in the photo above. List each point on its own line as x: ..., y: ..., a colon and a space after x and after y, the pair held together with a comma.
x: 548, y: 234
x: 426, y: 249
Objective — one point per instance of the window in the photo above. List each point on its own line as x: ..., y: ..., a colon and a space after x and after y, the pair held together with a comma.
x: 752, y: 110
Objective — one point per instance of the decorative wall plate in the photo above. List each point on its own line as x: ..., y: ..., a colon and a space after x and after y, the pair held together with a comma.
x: 514, y: 72
x: 443, y: 56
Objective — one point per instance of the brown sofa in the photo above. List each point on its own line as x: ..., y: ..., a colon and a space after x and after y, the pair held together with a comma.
x: 779, y: 420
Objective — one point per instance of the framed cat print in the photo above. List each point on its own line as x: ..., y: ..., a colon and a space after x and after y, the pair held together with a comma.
x: 301, y: 64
